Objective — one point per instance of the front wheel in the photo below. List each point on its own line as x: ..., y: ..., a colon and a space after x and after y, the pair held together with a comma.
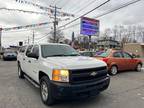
x: 113, y: 70
x: 139, y: 67
x: 20, y: 72
x: 45, y: 91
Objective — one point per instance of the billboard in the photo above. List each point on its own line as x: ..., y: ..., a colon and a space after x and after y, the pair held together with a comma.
x: 89, y: 26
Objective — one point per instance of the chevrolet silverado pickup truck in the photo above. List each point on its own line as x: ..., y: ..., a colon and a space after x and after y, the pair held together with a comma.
x: 61, y: 73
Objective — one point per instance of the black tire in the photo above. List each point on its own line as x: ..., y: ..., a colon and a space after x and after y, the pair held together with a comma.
x: 139, y: 67
x: 113, y: 70
x: 48, y: 100
x: 20, y: 72
x: 4, y: 59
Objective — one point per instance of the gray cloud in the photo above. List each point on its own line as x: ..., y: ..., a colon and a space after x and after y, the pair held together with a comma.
x: 131, y: 15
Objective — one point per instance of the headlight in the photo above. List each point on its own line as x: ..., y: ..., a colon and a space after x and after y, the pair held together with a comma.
x: 60, y: 75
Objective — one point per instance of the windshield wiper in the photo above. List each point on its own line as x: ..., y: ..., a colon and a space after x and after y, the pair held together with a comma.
x: 61, y: 55
x: 73, y: 55
x: 57, y: 55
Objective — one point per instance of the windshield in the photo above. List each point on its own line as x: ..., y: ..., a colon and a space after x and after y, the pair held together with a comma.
x: 58, y: 50
x: 104, y: 54
x: 7, y: 52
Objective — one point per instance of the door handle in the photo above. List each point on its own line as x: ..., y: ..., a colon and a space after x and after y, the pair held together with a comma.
x: 29, y: 61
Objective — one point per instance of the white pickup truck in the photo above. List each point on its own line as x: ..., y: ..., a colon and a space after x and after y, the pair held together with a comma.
x: 61, y: 73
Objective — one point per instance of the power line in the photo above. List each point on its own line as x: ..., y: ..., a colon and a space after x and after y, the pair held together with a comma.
x: 32, y: 26
x: 81, y: 3
x: 59, y: 1
x: 43, y: 37
x: 25, y: 30
x: 33, y: 4
x: 110, y: 11
x: 25, y: 11
x: 116, y: 9
x: 84, y: 14
x: 65, y: 3
x: 85, y: 6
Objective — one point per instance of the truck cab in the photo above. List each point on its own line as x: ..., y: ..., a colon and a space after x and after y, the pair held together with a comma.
x: 61, y: 72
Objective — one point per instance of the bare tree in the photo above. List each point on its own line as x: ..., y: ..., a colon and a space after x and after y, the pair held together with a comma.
x: 115, y: 32
x: 107, y: 32
x: 140, y: 33
x: 58, y: 38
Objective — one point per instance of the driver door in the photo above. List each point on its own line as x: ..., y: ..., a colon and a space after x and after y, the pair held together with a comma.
x: 129, y: 61
x: 34, y: 64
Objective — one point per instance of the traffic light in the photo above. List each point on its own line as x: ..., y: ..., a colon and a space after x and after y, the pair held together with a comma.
x: 20, y: 43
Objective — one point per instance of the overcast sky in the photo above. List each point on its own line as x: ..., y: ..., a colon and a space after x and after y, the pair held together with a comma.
x: 130, y: 15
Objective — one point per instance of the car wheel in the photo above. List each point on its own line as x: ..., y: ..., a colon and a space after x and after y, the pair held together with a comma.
x: 20, y: 72
x: 4, y: 59
x: 139, y: 67
x: 113, y: 70
x: 45, y: 91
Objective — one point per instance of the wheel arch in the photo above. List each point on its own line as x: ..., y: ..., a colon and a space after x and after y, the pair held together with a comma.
x: 41, y: 74
x: 114, y: 64
x: 140, y: 63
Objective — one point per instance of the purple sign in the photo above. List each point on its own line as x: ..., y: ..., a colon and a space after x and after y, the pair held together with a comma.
x: 89, y: 26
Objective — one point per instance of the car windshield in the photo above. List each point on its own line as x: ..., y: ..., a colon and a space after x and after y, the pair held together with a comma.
x: 58, y: 50
x: 104, y: 54
x: 7, y: 52
x: 91, y: 54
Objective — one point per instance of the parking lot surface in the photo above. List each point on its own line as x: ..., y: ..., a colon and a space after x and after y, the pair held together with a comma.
x: 126, y: 91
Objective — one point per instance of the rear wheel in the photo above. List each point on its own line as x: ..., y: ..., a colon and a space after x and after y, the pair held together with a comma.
x: 139, y: 67
x: 45, y: 91
x: 20, y: 72
x: 113, y: 70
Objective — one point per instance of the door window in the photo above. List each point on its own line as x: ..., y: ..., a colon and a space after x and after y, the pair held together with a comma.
x: 126, y: 55
x: 36, y: 50
x: 22, y: 49
x: 117, y: 55
x: 29, y: 50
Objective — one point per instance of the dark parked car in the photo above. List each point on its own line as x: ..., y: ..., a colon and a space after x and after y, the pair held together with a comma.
x: 88, y: 53
x: 9, y: 55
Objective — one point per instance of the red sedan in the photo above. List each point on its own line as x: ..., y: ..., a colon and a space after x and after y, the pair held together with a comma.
x: 118, y: 60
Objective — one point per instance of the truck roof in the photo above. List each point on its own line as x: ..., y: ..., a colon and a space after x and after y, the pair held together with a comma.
x: 48, y: 44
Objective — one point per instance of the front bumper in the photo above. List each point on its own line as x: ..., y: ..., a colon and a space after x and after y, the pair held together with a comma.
x: 68, y: 91
x: 9, y: 57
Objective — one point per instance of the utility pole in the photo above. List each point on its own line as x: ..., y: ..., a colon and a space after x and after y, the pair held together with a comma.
x: 55, y: 21
x: 28, y: 40
x: 33, y: 37
x: 0, y: 40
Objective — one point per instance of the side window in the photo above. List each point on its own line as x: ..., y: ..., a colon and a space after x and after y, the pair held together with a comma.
x: 22, y: 49
x: 126, y: 55
x: 29, y: 49
x: 87, y: 54
x: 117, y: 55
x: 36, y: 50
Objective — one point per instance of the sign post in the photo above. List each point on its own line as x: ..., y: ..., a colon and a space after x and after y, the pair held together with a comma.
x: 89, y: 27
x: 90, y: 42
x: 0, y: 40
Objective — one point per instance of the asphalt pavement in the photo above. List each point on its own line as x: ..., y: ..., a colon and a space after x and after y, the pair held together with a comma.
x: 126, y: 91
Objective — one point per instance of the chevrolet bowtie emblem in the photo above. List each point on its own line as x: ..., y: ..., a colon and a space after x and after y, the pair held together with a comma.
x: 93, y: 74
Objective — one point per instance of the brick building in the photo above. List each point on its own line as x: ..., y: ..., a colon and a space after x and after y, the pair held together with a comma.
x: 135, y: 48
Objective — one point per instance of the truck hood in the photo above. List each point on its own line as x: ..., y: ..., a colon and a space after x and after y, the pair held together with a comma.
x: 77, y: 62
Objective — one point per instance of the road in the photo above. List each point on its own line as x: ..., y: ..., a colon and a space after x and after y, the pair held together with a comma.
x: 126, y: 91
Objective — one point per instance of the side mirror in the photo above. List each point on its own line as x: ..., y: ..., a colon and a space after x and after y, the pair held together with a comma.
x: 33, y: 55
x: 1, y: 53
x: 133, y: 55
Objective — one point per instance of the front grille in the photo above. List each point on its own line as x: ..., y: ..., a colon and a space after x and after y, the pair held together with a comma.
x: 84, y: 75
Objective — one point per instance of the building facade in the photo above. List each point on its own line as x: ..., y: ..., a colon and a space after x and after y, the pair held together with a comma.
x: 108, y: 42
x: 135, y: 48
